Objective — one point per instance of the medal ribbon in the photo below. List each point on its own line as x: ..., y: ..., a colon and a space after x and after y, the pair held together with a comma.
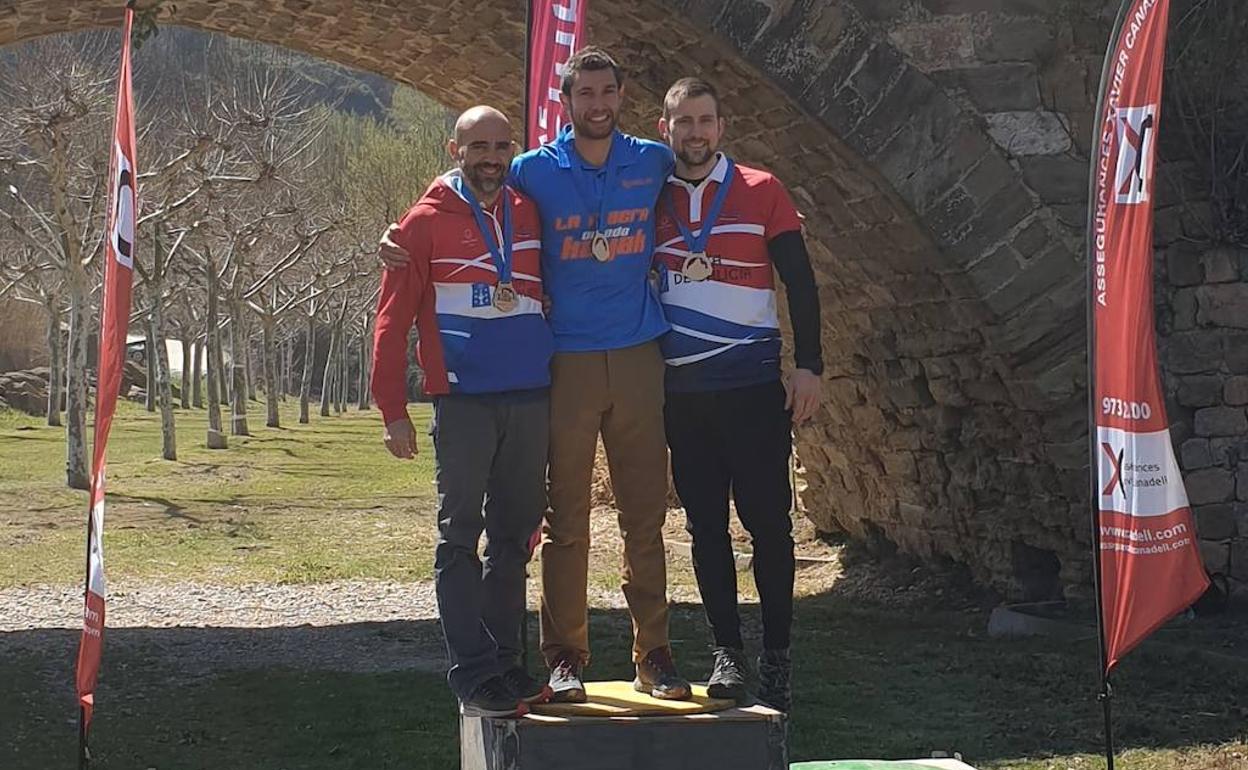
x: 698, y: 245
x: 500, y: 253
x: 600, y: 224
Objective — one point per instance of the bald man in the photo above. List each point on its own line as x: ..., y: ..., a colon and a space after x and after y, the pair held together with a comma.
x: 473, y: 289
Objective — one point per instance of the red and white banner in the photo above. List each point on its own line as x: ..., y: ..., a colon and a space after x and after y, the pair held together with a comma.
x: 1150, y: 562
x: 556, y: 31
x: 114, y: 320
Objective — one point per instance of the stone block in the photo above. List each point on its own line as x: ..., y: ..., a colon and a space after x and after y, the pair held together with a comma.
x: 939, y: 44
x: 1029, y: 133
x: 995, y: 270
x: 1216, y: 522
x: 1235, y: 352
x: 1183, y: 309
x: 1037, y: 277
x: 1210, y: 485
x: 1223, y: 304
x: 1016, y: 40
x: 989, y: 178
x: 1195, y: 454
x: 1221, y: 266
x: 1235, y: 392
x: 1184, y: 267
x: 1216, y: 554
x: 1012, y: 86
x: 1221, y: 421
x: 1241, y: 485
x: 1200, y: 390
x: 1194, y: 352
x: 1057, y: 178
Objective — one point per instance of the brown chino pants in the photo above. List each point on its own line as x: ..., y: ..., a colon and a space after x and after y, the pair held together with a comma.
x: 620, y: 394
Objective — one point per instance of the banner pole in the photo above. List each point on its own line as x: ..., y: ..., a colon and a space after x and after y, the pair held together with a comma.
x: 1105, y: 696
x: 528, y: 77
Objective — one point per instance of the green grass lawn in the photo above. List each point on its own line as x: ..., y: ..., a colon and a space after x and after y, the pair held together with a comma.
x: 296, y: 504
x: 323, y: 501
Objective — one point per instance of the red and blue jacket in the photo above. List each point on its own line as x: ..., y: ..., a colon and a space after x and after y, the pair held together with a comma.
x: 466, y: 344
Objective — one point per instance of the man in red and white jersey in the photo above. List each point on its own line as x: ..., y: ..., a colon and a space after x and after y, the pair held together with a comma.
x: 721, y: 229
x: 473, y: 287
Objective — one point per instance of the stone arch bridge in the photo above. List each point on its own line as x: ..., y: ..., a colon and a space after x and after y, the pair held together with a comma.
x: 934, y: 148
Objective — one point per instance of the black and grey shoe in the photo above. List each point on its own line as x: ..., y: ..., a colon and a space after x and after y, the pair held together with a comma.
x: 565, y: 680
x: 774, y: 679
x: 657, y: 675
x: 525, y: 687
x: 729, y: 674
x: 491, y: 698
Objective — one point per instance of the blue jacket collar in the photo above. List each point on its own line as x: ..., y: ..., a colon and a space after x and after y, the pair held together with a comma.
x: 565, y: 150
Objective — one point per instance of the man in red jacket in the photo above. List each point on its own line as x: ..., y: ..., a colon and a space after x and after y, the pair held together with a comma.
x: 473, y: 287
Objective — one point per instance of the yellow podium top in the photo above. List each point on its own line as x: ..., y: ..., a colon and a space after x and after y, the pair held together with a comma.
x: 619, y: 699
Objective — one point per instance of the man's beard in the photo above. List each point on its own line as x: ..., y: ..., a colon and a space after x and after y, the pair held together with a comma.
x: 696, y: 157
x: 591, y: 131
x: 485, y: 184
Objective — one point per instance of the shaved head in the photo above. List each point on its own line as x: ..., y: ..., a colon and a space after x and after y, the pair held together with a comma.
x: 483, y: 149
x: 482, y: 115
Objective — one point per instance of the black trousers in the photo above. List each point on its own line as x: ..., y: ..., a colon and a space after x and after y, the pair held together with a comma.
x: 736, y: 442
x: 491, y: 474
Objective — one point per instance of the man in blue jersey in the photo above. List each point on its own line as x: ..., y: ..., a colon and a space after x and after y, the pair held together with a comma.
x: 722, y: 230
x: 596, y: 189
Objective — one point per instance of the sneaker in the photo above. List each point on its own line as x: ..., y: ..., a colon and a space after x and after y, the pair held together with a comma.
x: 524, y: 687
x: 656, y: 674
x: 729, y: 674
x: 774, y: 674
x: 491, y: 698
x: 565, y: 680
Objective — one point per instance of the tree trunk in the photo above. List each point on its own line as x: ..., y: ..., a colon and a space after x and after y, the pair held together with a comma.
x: 340, y: 373
x: 288, y: 365
x: 330, y: 367
x: 309, y: 360
x: 197, y: 373
x: 149, y: 395
x: 251, y: 366
x: 270, y: 373
x: 185, y: 344
x: 363, y: 402
x: 168, y: 432
x: 216, y: 437
x: 238, y: 365
x: 77, y: 475
x: 56, y: 371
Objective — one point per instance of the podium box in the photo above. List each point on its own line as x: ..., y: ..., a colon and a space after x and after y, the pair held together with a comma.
x: 748, y: 738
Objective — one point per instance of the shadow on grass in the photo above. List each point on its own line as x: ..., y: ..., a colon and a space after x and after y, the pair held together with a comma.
x: 869, y: 681
x: 172, y: 510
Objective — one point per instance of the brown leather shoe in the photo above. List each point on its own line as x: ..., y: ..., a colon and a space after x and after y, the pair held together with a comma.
x: 657, y: 675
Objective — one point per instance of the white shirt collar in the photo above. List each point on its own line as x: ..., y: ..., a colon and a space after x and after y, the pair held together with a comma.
x: 718, y: 174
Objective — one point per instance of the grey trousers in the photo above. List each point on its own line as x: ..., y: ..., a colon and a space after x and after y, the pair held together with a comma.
x: 491, y: 476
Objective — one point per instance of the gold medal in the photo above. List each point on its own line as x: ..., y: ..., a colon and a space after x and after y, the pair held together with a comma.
x: 505, y: 298
x: 601, y: 248
x: 697, y: 267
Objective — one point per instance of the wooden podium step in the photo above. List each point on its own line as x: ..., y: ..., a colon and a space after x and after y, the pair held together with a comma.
x: 750, y: 738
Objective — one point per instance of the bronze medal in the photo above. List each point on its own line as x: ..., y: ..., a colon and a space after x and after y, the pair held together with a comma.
x: 697, y: 267
x: 601, y: 247
x: 505, y: 298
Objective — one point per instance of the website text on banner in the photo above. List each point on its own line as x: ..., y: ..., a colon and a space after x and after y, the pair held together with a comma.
x: 556, y: 30
x: 114, y: 319
x: 1150, y: 564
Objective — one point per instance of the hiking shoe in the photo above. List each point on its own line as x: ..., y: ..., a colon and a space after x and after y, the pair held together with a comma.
x: 774, y: 674
x: 565, y: 680
x: 524, y: 687
x: 656, y: 674
x: 491, y: 698
x: 728, y: 674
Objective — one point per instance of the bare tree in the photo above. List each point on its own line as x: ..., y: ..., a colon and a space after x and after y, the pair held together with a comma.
x: 54, y: 116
